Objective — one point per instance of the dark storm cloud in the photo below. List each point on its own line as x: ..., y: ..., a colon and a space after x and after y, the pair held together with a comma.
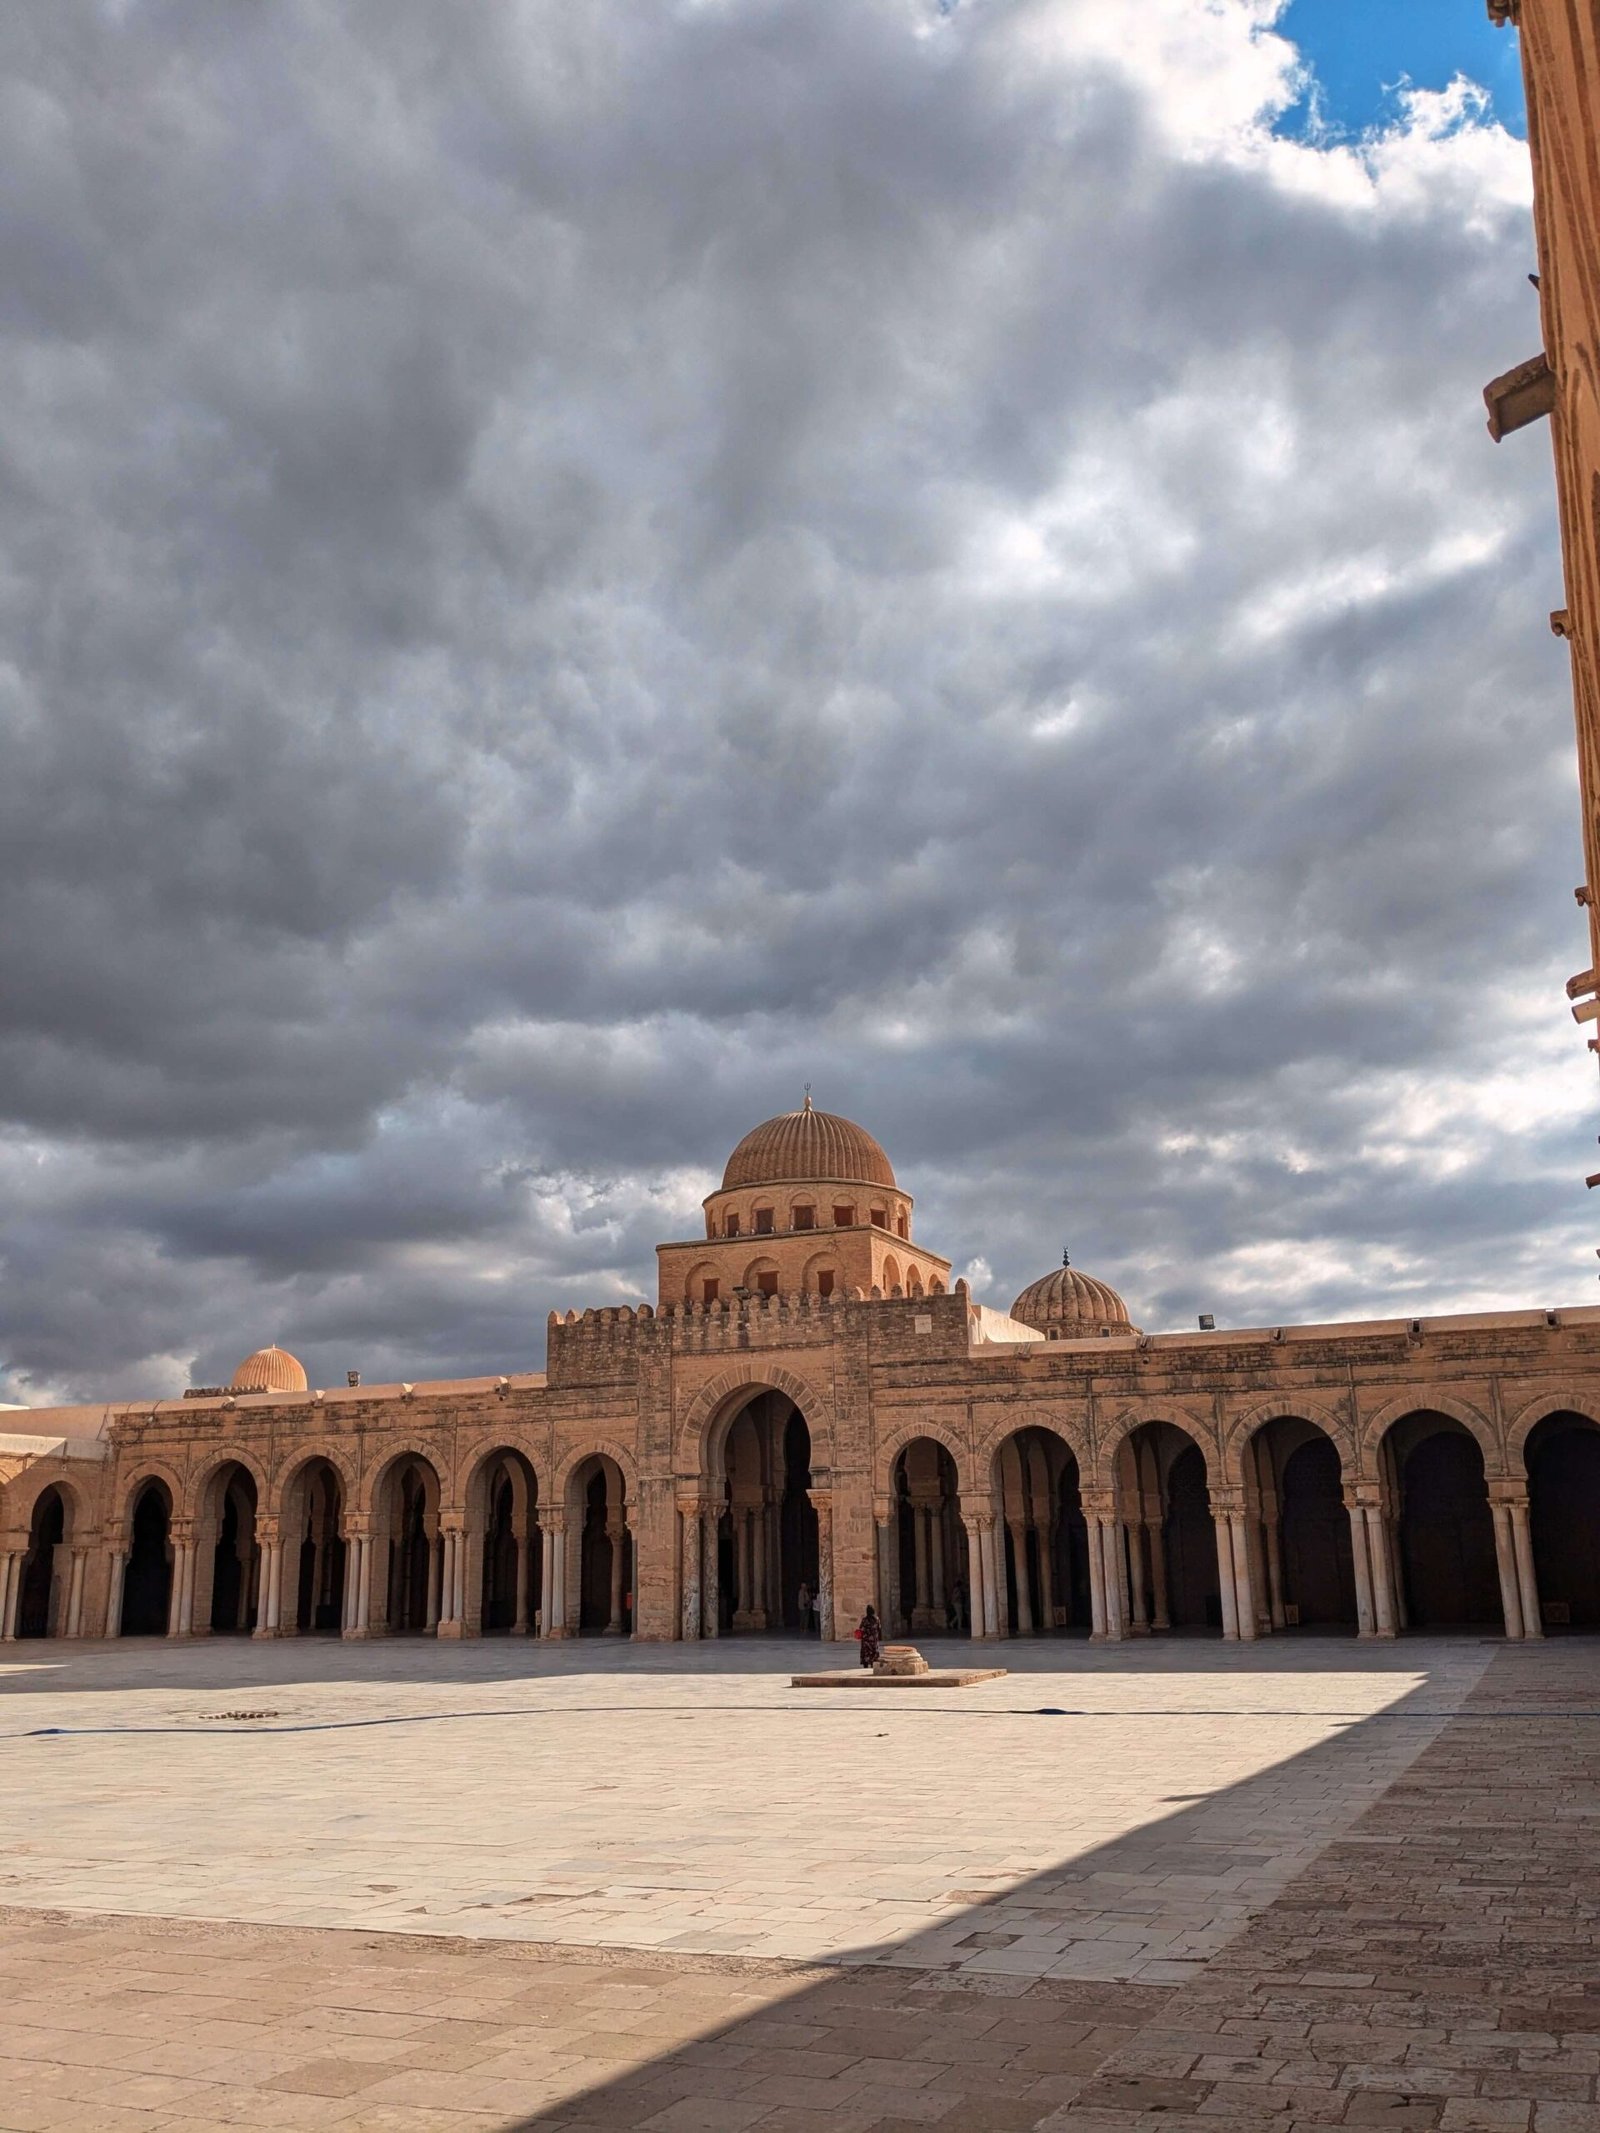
x: 566, y: 571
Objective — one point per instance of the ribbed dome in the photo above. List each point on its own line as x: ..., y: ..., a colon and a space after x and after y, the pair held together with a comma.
x: 270, y: 1370
x: 1069, y: 1306
x: 807, y: 1145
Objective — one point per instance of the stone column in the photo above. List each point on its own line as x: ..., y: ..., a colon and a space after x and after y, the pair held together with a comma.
x: 1272, y: 1520
x: 978, y: 1623
x: 449, y: 1625
x: 883, y: 1519
x: 519, y: 1625
x: 80, y: 1563
x: 1097, y: 1581
x: 689, y: 1529
x: 822, y: 1504
x: 773, y: 1542
x: 936, y: 1584
x: 1383, y: 1607
x: 119, y: 1559
x: 1018, y: 1529
x: 994, y: 1605
x: 180, y: 1604
x: 558, y: 1576
x: 1227, y: 1589
x: 547, y: 1572
x: 1111, y: 1552
x: 11, y: 1562
x: 364, y: 1589
x: 1138, y: 1612
x: 1505, y: 1560
x: 1366, y: 1620
x: 435, y: 1579
x: 1244, y: 1584
x: 1527, y: 1582
x: 1047, y: 1580
x: 615, y: 1533
x: 711, y: 1569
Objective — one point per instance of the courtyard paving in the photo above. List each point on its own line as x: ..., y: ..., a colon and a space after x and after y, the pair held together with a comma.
x: 427, y: 1887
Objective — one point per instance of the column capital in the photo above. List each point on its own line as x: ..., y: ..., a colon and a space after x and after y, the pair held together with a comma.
x: 355, y: 1526
x: 821, y: 1501
x: 552, y: 1519
x: 883, y: 1510
x: 1513, y: 1493
x: 1098, y: 1503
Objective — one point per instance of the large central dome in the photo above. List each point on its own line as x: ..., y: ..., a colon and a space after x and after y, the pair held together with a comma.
x: 808, y: 1146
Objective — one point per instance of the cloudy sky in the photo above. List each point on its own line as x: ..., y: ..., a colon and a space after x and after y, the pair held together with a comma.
x: 566, y: 571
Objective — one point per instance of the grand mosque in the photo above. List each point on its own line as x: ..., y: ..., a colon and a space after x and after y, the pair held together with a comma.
x: 813, y: 1416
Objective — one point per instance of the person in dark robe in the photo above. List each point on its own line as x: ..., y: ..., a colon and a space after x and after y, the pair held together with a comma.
x: 871, y: 1635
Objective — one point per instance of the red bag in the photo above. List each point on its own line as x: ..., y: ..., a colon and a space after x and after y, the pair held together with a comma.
x: 856, y: 1634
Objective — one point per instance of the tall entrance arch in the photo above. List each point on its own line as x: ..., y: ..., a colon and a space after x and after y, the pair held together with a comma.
x: 1563, y: 1458
x: 1444, y: 1528
x: 760, y: 1563
x: 41, y: 1603
x: 503, y: 1506
x: 314, y: 1550
x: 147, y: 1575
x: 406, y: 1517
x: 1299, y: 1526
x: 928, y: 1593
x: 228, y: 1549
x: 1168, y: 1565
x: 598, y: 1513
x: 1043, y: 1535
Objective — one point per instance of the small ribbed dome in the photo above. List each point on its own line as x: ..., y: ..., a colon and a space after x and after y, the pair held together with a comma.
x: 270, y: 1370
x: 808, y: 1146
x: 1069, y: 1306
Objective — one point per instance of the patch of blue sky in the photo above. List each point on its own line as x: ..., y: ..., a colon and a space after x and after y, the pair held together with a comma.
x: 1363, y: 53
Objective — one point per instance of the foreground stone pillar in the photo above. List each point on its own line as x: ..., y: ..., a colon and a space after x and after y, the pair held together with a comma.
x: 976, y: 1622
x: 1527, y: 1582
x: 1505, y: 1561
x: 822, y: 1504
x: 119, y: 1559
x: 1383, y: 1607
x: 80, y: 1564
x: 1227, y: 1589
x: 547, y: 1571
x: 1243, y: 1582
x: 180, y: 1603
x: 1111, y: 1553
x: 1138, y: 1610
x: 1097, y: 1582
x: 615, y: 1533
x: 689, y: 1530
x: 888, y: 1598
x: 1366, y: 1624
x: 11, y: 1561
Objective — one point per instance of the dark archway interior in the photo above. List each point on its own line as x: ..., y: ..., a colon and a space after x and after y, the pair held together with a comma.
x: 932, y: 1581
x: 1563, y: 1458
x: 503, y: 1554
x: 47, y: 1531
x: 1191, y: 1545
x: 1447, y: 1556
x: 233, y: 1598
x: 319, y: 1572
x: 605, y: 1595
x: 768, y: 1524
x: 147, y: 1580
x: 1318, y: 1559
x: 410, y: 1555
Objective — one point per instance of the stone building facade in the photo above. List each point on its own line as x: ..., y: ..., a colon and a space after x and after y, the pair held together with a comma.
x: 701, y: 1466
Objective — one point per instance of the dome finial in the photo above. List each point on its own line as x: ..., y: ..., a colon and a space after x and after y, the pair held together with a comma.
x: 808, y: 1096
x: 1066, y: 1256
